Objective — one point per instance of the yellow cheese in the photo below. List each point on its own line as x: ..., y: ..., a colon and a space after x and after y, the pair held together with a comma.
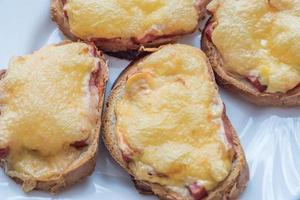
x: 130, y: 18
x: 170, y: 117
x: 27, y: 164
x: 45, y: 103
x: 260, y: 38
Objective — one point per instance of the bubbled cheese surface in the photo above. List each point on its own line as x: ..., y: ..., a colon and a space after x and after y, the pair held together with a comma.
x: 45, y: 105
x: 130, y: 18
x: 170, y: 117
x: 260, y: 38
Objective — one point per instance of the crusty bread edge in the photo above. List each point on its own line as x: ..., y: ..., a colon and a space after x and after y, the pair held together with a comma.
x: 86, y: 163
x: 123, y: 48
x: 230, y: 188
x: 242, y: 88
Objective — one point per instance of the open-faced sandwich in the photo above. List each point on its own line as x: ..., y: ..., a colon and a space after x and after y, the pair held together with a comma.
x: 253, y: 47
x: 51, y: 103
x: 166, y: 125
x: 125, y: 25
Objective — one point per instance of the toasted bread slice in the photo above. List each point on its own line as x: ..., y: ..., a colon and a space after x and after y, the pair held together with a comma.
x: 83, y: 163
x: 249, y: 89
x: 229, y: 188
x: 240, y: 86
x: 127, y: 47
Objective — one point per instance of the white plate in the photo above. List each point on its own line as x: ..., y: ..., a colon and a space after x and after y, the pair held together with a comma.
x: 270, y: 136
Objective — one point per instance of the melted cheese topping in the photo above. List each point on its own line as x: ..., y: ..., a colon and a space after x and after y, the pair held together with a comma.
x: 130, y: 18
x: 28, y: 165
x: 170, y: 118
x: 262, y: 38
x: 45, y: 106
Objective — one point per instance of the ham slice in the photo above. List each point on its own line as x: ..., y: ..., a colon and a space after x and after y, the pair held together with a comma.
x: 208, y: 31
x: 198, y: 192
x: 79, y: 144
x: 255, y: 82
x: 4, y: 152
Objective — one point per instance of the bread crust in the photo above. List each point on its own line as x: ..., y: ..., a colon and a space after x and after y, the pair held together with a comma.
x: 119, y: 47
x: 241, y: 87
x: 230, y: 188
x: 85, y: 164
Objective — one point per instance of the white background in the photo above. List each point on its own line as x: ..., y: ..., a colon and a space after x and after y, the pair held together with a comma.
x: 270, y: 136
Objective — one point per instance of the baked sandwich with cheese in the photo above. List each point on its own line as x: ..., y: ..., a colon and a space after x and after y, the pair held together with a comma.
x: 253, y: 47
x: 51, y: 103
x: 122, y: 27
x: 166, y: 125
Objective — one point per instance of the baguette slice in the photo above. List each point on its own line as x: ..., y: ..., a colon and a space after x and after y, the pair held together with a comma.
x: 84, y: 164
x: 118, y: 46
x: 230, y: 188
x: 240, y: 86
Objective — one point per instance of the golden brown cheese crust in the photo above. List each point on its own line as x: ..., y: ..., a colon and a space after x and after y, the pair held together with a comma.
x: 122, y: 45
x: 230, y: 188
x: 60, y: 80
x: 172, y: 73
x: 84, y: 164
x: 262, y: 43
x: 240, y: 86
x: 130, y: 19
